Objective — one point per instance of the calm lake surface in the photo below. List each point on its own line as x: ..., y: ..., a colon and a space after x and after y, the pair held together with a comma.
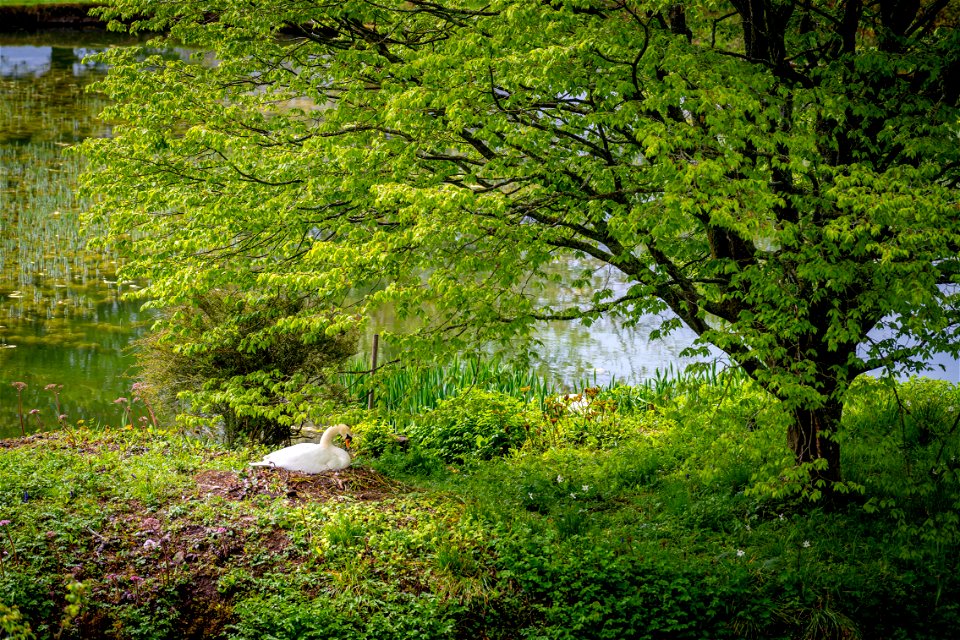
x: 62, y: 318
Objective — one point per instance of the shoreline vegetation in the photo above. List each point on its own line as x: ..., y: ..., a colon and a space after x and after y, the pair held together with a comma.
x: 668, y: 511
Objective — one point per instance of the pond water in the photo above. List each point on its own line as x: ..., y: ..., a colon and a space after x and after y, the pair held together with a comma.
x: 62, y: 318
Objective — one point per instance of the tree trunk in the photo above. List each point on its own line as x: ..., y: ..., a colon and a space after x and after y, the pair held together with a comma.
x: 807, y: 440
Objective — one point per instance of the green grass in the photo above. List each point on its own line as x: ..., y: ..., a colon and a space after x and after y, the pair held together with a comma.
x: 624, y: 521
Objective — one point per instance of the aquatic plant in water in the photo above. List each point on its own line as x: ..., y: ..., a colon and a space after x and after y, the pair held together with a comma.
x: 126, y: 410
x: 57, y: 306
x: 20, y: 386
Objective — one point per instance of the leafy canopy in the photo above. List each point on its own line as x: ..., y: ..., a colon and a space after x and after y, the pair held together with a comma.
x: 781, y: 175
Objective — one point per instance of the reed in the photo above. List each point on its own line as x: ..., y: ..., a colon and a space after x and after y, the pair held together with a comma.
x: 411, y: 390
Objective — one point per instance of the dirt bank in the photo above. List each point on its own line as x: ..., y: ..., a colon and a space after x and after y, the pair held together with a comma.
x: 15, y: 19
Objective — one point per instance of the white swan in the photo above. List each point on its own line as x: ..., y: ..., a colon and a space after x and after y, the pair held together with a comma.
x: 309, y: 457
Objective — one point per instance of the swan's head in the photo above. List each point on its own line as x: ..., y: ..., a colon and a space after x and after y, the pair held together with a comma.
x: 345, y: 432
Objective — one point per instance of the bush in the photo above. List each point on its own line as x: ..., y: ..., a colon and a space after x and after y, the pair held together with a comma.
x: 374, y: 439
x: 593, y: 421
x: 228, y: 361
x: 474, y: 425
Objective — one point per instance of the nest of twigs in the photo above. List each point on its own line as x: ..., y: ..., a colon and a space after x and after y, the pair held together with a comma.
x: 355, y: 483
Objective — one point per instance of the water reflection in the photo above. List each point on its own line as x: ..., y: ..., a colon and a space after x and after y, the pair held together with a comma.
x: 62, y: 320
x: 20, y: 60
x: 607, y: 350
x: 23, y: 61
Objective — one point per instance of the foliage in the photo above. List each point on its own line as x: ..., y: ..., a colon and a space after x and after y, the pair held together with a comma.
x: 27, y: 3
x: 599, y: 426
x: 421, y: 559
x: 474, y: 425
x: 374, y: 438
x: 12, y: 624
x: 283, y: 617
x: 596, y: 592
x: 906, y: 439
x: 733, y: 432
x: 782, y: 177
x: 655, y: 533
x: 222, y: 355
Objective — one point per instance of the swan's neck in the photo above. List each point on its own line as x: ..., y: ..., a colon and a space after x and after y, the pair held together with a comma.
x: 327, y: 439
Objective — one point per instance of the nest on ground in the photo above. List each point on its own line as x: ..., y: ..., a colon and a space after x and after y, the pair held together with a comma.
x: 352, y: 483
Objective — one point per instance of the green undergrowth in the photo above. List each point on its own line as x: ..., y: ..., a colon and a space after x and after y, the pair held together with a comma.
x: 494, y: 518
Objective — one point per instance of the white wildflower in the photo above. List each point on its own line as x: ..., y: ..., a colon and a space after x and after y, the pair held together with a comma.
x: 559, y: 478
x: 150, y: 544
x: 806, y: 544
x: 585, y: 488
x: 573, y: 495
x: 741, y: 553
x: 579, y: 406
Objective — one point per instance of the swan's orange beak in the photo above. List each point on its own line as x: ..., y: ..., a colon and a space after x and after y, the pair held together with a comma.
x: 347, y: 439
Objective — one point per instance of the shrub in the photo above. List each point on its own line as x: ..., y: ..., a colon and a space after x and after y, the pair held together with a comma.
x: 474, y: 425
x: 374, y: 438
x: 593, y: 421
x: 232, y: 360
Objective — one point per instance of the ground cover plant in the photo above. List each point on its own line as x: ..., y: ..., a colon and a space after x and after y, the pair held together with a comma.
x: 661, y: 519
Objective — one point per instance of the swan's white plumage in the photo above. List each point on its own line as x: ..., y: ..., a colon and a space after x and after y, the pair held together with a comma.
x: 309, y: 457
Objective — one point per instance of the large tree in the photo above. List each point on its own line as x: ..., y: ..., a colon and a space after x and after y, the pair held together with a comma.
x: 783, y: 176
